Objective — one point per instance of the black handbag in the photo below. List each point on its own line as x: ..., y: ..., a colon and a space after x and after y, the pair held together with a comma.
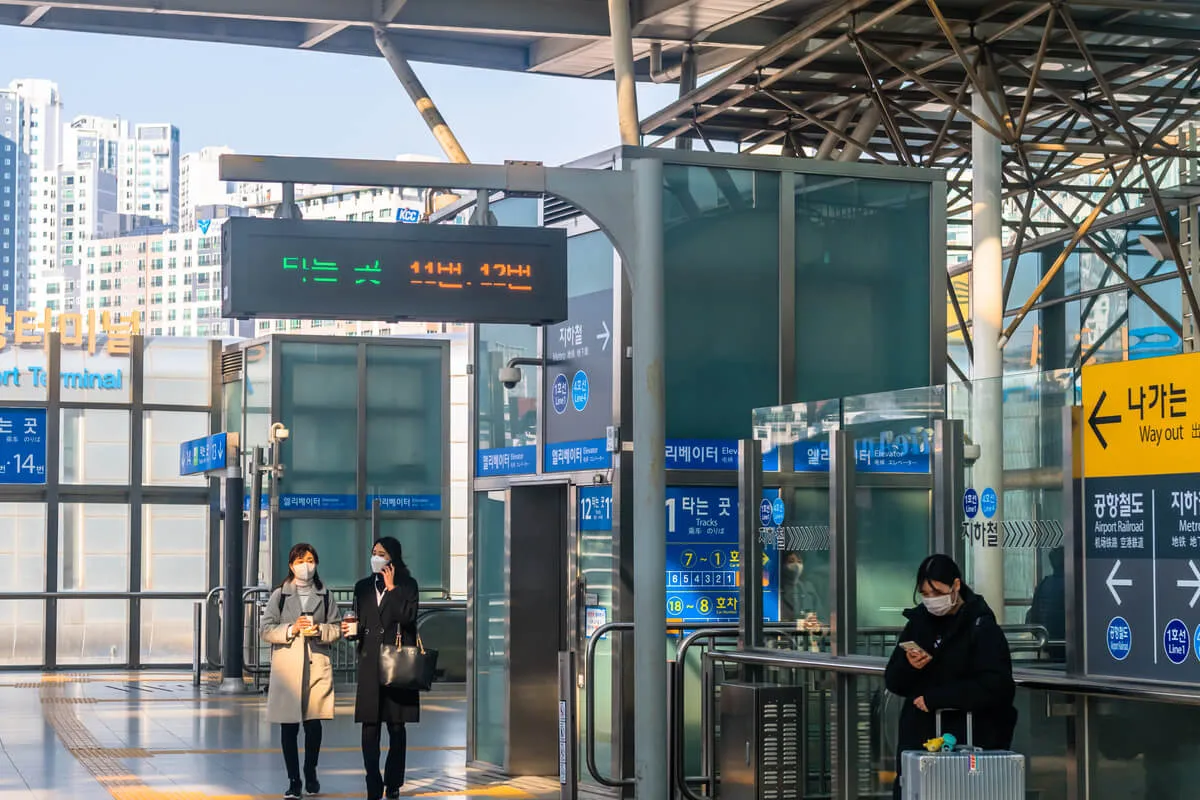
x: 407, y: 667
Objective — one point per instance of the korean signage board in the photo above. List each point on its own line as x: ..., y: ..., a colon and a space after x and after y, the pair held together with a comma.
x: 1141, y: 507
x: 82, y: 330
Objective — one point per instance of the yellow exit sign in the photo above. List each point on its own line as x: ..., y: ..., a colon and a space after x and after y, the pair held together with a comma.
x: 1142, y: 417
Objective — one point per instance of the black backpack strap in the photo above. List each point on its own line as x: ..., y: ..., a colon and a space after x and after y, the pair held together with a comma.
x: 282, y: 600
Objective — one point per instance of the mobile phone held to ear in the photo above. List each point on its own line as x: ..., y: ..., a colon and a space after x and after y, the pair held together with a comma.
x: 913, y: 647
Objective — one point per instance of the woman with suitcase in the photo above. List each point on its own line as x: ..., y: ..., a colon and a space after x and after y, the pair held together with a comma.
x: 952, y: 656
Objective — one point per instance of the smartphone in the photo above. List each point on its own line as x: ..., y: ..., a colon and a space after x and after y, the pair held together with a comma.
x: 913, y: 647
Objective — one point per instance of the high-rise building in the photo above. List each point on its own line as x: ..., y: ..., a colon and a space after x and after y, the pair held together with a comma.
x: 148, y: 174
x: 200, y: 186
x: 13, y: 194
x: 41, y: 140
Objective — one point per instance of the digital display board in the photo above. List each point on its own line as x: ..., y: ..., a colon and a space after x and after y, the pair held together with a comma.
x: 318, y: 269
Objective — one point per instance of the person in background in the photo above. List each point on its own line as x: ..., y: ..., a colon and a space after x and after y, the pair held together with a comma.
x: 952, y: 656
x: 1049, y: 607
x: 799, y: 599
x: 300, y: 623
x: 386, y: 605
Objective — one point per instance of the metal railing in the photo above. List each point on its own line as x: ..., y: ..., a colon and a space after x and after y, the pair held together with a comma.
x: 813, y: 644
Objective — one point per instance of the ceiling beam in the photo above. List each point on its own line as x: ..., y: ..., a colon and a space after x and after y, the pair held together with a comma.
x: 35, y: 15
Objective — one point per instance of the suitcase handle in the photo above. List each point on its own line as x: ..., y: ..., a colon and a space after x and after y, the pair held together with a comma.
x: 937, y: 716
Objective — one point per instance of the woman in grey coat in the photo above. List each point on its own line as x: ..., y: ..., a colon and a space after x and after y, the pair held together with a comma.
x: 300, y: 622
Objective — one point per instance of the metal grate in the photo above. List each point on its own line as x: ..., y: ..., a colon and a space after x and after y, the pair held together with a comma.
x: 232, y: 363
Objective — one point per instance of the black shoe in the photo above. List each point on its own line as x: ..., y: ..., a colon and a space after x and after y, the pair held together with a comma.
x: 311, y: 784
x: 293, y: 791
x: 393, y: 794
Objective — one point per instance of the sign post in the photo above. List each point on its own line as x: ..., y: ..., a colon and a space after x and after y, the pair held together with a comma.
x: 218, y: 454
x: 1142, y: 518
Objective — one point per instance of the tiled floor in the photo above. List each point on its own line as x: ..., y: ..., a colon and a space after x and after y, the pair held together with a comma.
x: 156, y: 737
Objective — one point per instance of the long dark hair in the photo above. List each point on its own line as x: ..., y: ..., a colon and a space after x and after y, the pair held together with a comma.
x: 942, y: 569
x: 394, y: 550
x: 300, y: 549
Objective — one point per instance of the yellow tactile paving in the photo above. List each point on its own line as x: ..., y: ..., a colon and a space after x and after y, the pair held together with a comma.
x: 105, y: 763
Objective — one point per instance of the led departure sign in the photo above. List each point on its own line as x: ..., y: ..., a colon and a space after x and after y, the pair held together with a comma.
x: 317, y: 269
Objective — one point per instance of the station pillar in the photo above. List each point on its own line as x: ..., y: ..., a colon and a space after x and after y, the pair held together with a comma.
x: 987, y: 321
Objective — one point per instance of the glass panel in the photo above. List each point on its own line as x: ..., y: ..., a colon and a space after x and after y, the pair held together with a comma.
x: 174, y: 548
x: 167, y: 631
x: 342, y: 555
x: 23, y: 374
x: 96, y: 447
x: 421, y: 540
x: 597, y: 563
x: 93, y: 631
x: 22, y: 632
x: 862, y: 254
x: 93, y: 542
x: 232, y: 403
x: 22, y: 547
x: 893, y: 527
x: 1149, y: 335
x: 177, y: 371
x: 257, y: 376
x: 1142, y: 751
x: 95, y: 378
x: 163, y: 432
x: 405, y: 406
x: 721, y: 272
x: 489, y: 710
x: 320, y: 405
x: 521, y: 212
x: 507, y: 417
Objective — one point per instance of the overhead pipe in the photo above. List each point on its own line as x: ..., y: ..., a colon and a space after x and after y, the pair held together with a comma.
x: 825, y: 151
x: 420, y: 98
x: 863, y: 131
x: 702, y: 63
x: 621, y: 29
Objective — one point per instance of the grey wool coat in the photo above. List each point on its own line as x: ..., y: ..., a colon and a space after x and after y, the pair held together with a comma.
x: 301, y: 686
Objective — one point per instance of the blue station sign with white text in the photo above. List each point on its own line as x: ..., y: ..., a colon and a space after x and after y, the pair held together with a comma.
x: 205, y: 454
x: 22, y: 445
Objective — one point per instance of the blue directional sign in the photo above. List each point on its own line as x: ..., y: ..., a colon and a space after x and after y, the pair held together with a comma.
x: 777, y: 511
x: 704, y: 556
x: 406, y: 502
x: 579, y: 383
x: 505, y: 461
x: 764, y: 512
x: 1120, y: 638
x: 205, y: 454
x: 989, y: 502
x: 22, y: 445
x: 409, y: 215
x: 596, y: 508
x: 313, y: 501
x: 971, y: 503
x: 892, y: 451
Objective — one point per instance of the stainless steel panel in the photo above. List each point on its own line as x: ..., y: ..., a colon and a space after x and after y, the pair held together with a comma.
x: 761, y: 741
x: 994, y: 775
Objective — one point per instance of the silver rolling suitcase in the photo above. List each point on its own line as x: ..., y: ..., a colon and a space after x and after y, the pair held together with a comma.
x: 962, y: 774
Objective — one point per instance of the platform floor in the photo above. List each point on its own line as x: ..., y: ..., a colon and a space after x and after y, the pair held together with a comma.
x: 147, y: 736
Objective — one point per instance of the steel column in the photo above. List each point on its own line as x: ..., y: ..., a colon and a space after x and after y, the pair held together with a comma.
x: 948, y: 475
x: 233, y: 617
x: 750, y: 493
x: 649, y: 483
x: 843, y: 537
x: 987, y: 318
x: 254, y: 517
x: 621, y: 29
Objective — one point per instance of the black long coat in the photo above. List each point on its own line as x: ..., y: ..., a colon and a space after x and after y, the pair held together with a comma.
x: 970, y: 670
x: 378, y: 623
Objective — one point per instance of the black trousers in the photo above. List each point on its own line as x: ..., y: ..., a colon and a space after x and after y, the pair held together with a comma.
x: 291, y: 749
x: 393, y: 770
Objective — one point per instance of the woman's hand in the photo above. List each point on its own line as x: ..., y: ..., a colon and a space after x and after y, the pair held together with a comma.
x: 345, y: 628
x: 917, y: 659
x: 920, y: 703
x: 389, y: 577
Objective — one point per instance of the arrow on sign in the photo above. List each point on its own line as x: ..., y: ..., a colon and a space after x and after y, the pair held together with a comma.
x: 604, y: 336
x: 1095, y: 420
x: 1113, y: 582
x: 1191, y: 584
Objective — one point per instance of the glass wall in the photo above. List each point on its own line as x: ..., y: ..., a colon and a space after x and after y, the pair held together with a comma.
x: 489, y: 706
x: 721, y: 274
x: 319, y: 401
x: 131, y: 537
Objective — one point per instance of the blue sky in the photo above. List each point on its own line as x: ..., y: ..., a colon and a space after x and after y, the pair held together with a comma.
x: 281, y: 102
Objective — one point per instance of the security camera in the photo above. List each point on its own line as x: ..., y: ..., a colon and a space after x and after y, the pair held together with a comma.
x: 971, y: 452
x: 510, y: 377
x: 278, y: 432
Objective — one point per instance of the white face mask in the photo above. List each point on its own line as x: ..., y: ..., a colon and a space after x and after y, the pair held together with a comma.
x: 795, y: 569
x: 378, y: 563
x: 304, y: 571
x: 939, y: 606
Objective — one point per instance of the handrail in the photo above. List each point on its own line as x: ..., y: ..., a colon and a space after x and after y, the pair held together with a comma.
x: 589, y: 703
x: 72, y: 595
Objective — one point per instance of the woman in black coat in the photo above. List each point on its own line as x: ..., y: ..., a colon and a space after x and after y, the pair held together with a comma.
x: 963, y: 663
x: 386, y: 604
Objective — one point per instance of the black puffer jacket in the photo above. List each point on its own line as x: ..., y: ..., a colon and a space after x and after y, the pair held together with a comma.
x: 971, y: 670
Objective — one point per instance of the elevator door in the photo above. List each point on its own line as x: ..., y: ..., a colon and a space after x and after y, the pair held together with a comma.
x: 538, y: 629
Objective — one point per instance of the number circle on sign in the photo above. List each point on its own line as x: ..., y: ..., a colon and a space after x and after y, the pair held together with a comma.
x: 1120, y: 638
x: 559, y: 393
x: 989, y: 502
x: 777, y: 511
x: 1176, y: 641
x: 580, y: 390
x: 970, y: 503
x: 764, y: 512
